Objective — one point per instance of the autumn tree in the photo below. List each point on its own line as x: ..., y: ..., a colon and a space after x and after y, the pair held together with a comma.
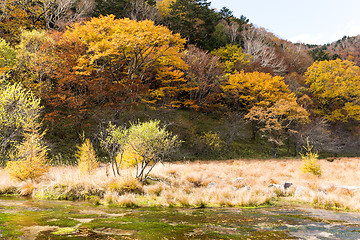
x: 246, y: 90
x: 126, y: 53
x: 34, y: 61
x: 153, y: 143
x: 19, y: 113
x: 60, y: 13
x: 268, y: 102
x: 141, y: 10
x: 150, y: 141
x: 164, y: 7
x: 335, y: 86
x: 296, y: 58
x: 278, y: 121
x: 30, y: 159
x: 204, y: 78
x: 17, y: 15
x: 114, y: 140
x: 232, y: 57
x: 86, y: 157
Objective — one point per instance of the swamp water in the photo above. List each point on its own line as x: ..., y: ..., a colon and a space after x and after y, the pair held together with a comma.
x: 32, y: 219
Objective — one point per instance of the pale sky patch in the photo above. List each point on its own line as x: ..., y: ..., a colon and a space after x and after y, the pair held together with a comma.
x: 308, y: 38
x: 308, y: 21
x: 352, y: 29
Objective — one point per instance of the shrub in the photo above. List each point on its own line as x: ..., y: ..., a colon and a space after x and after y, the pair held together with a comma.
x: 153, y: 143
x: 146, y: 144
x: 29, y: 161
x: 212, y: 141
x: 310, y: 161
x: 86, y: 157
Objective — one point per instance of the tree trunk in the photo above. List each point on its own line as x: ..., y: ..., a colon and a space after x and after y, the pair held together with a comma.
x: 295, y: 149
x: 254, y: 130
x: 274, y: 148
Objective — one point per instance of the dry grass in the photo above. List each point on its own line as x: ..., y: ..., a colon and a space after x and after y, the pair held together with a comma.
x: 200, y: 184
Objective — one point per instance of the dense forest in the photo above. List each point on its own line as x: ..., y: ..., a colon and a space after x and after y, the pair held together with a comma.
x: 226, y: 87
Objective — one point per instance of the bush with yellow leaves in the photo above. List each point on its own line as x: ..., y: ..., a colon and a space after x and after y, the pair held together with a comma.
x: 310, y: 161
x: 86, y: 157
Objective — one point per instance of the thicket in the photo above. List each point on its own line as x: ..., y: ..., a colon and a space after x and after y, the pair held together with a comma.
x: 225, y: 87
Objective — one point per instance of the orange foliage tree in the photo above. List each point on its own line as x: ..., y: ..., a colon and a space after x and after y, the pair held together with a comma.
x: 17, y: 15
x: 112, y: 63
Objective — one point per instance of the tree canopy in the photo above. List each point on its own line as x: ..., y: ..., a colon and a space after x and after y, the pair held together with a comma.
x: 335, y: 85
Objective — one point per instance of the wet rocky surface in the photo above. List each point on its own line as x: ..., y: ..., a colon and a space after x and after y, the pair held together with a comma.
x: 31, y: 219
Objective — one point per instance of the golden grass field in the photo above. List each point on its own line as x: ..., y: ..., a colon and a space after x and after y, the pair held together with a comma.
x: 203, y: 183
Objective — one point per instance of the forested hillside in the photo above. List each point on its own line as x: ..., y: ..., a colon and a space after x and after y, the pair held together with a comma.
x: 226, y: 87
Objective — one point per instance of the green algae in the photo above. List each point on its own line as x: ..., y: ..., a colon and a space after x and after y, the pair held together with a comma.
x: 8, y: 230
x: 65, y: 231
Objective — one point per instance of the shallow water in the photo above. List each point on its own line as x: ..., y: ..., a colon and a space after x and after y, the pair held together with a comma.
x: 32, y: 219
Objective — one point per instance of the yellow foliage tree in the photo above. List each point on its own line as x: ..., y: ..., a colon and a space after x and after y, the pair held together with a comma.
x: 268, y: 102
x: 30, y: 159
x: 86, y: 157
x: 164, y: 7
x: 232, y: 57
x: 278, y: 120
x: 335, y: 86
x: 20, y: 113
x: 128, y: 52
x: 129, y: 158
x: 246, y: 90
x: 35, y: 58
x: 310, y: 161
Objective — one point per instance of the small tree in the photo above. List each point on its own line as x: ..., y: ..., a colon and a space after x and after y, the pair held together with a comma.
x: 86, y: 156
x: 114, y: 140
x: 310, y: 159
x: 29, y: 161
x: 148, y: 142
x: 153, y: 143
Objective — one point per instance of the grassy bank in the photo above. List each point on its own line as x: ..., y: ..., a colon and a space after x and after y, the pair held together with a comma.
x: 237, y: 183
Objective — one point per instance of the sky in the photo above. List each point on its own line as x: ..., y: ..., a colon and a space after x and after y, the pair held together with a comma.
x: 305, y: 21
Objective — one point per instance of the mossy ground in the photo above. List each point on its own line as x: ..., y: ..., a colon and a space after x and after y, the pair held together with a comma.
x: 79, y: 220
